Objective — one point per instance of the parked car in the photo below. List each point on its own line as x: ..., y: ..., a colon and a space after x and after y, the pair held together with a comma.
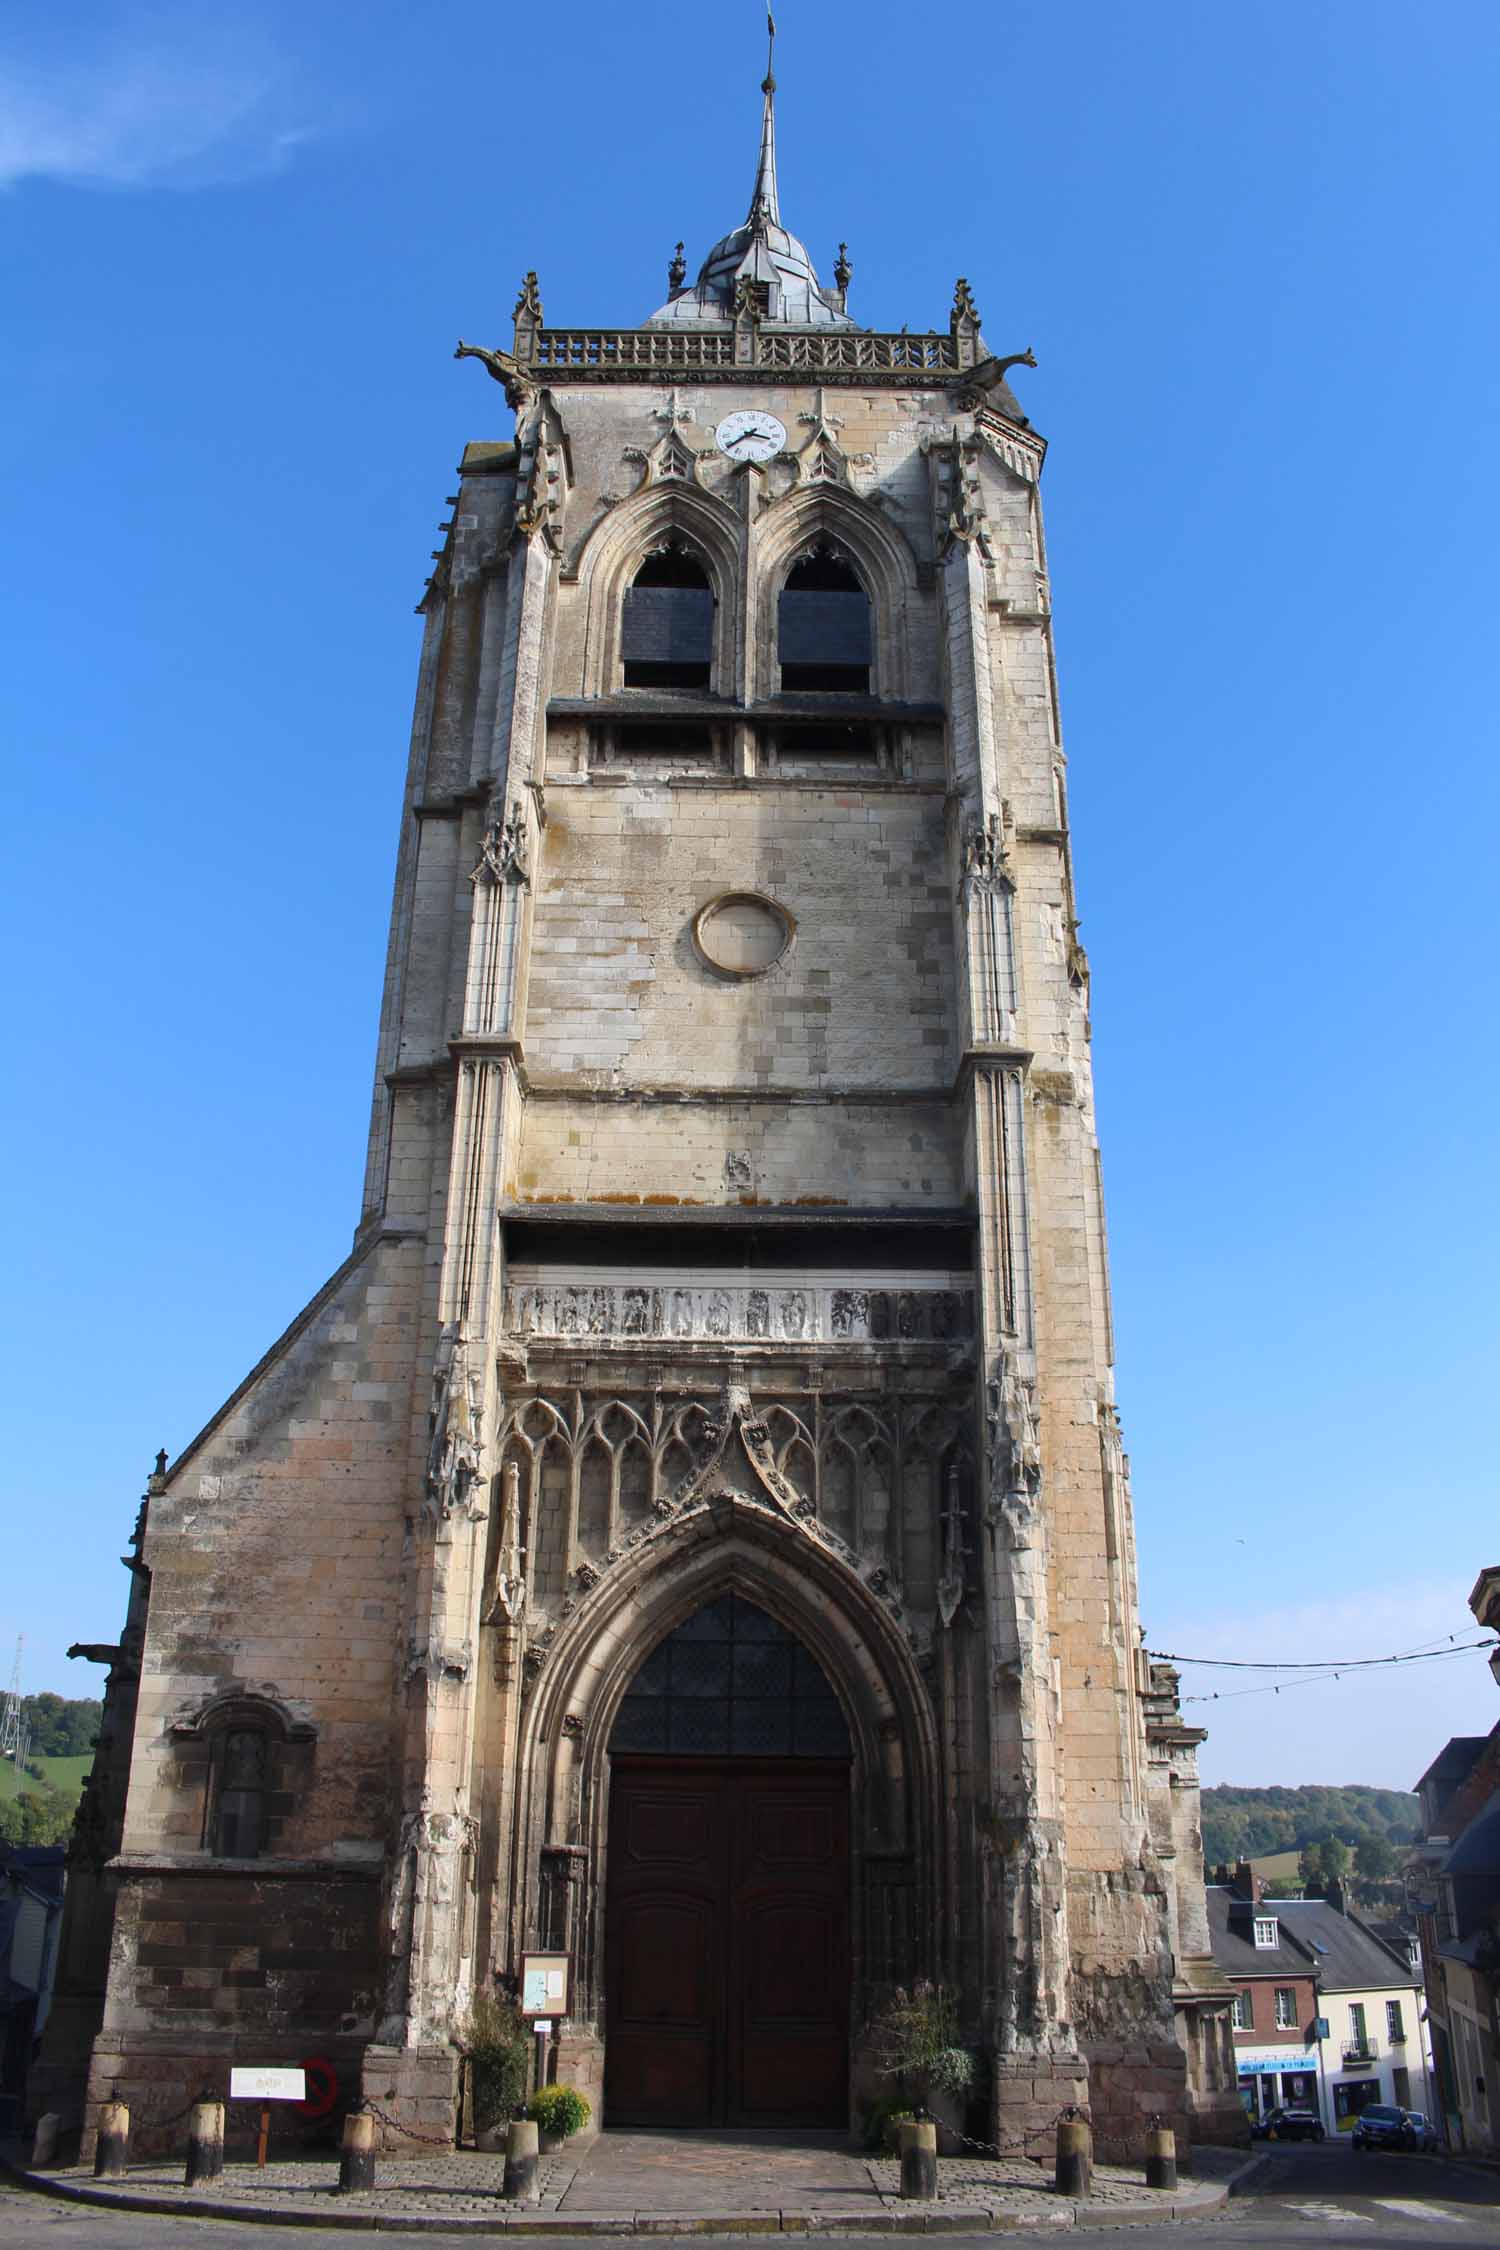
x: 1289, y: 2125
x: 1382, y: 2127
x: 1425, y: 2130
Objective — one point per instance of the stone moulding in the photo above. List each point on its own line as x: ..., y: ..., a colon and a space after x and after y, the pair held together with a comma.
x: 743, y: 934
x: 243, y: 1705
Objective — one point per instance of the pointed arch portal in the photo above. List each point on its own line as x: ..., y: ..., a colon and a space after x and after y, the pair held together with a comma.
x: 727, y: 1908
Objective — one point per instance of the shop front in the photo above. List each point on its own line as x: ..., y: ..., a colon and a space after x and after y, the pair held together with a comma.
x: 1276, y: 2078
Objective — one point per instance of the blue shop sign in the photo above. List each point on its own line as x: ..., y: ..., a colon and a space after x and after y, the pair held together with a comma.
x: 1290, y: 2058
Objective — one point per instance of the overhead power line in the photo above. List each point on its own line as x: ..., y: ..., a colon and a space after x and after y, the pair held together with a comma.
x: 1451, y: 1647
x: 1313, y: 1672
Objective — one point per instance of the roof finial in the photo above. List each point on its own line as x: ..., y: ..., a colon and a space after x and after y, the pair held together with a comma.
x: 765, y: 204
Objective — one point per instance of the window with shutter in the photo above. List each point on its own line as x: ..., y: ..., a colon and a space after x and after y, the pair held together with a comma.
x: 667, y: 633
x: 823, y: 628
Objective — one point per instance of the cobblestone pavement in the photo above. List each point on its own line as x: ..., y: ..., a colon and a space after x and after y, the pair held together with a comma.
x: 985, y: 2179
x: 662, y: 2182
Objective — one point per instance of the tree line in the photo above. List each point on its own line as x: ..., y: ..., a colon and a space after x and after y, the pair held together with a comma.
x: 60, y: 1727
x: 1337, y: 1831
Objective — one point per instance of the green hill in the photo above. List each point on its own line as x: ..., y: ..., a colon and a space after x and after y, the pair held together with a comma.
x: 66, y: 1775
x: 1255, y: 1823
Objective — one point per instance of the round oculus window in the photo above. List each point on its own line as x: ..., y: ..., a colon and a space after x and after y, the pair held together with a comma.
x: 741, y: 934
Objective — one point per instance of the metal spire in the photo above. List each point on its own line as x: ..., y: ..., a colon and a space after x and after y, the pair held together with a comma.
x: 765, y: 203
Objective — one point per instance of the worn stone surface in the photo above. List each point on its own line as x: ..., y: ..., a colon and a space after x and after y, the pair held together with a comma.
x: 788, y: 1277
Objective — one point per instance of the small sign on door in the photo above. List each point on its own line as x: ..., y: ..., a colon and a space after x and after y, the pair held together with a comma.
x: 544, y: 1984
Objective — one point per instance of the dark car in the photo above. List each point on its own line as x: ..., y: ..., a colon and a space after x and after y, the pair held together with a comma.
x: 1381, y: 2127
x: 1425, y: 2130
x: 1290, y: 2125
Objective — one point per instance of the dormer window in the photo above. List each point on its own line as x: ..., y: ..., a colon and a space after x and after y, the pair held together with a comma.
x: 1266, y: 1930
x: 823, y: 628
x: 667, y: 635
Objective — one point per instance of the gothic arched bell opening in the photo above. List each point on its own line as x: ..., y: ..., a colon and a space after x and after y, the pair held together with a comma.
x: 727, y: 1915
x: 667, y: 631
x: 823, y: 627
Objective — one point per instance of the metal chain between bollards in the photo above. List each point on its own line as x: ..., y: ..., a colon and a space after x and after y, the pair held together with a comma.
x: 159, y: 2124
x: 1018, y: 2149
x: 409, y: 2132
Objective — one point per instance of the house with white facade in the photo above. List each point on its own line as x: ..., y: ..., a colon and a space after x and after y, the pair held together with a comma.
x: 1327, y: 2014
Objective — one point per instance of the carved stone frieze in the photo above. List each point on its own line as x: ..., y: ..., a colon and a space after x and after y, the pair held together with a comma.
x: 741, y: 1312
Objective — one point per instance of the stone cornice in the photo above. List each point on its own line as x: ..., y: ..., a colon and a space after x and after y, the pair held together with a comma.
x: 690, y: 1097
x: 639, y: 703
x: 738, y: 1215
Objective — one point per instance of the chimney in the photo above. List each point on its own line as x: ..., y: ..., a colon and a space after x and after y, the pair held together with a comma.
x: 1247, y: 1882
x: 1333, y: 1891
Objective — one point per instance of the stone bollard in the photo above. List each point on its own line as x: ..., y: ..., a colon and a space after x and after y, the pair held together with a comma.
x: 357, y: 2153
x: 1075, y: 2153
x: 1161, y: 2155
x: 205, y: 2150
x: 44, y: 2141
x: 917, y: 2139
x: 114, y: 2142
x: 521, y: 2149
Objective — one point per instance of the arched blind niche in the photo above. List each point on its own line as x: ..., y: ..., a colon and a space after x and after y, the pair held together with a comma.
x: 667, y: 634
x: 731, y: 1682
x: 823, y: 628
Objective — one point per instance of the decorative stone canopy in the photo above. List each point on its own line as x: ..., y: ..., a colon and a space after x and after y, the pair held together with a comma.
x: 759, y: 260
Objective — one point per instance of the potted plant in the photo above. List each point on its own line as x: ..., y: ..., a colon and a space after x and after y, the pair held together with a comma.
x: 559, y: 2111
x: 499, y: 2050
x: 914, y: 2043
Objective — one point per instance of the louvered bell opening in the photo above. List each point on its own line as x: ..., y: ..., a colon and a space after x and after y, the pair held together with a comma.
x: 825, y: 642
x: 668, y: 635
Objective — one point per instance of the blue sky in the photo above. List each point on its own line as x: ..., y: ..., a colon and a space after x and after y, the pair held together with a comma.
x: 1254, y: 250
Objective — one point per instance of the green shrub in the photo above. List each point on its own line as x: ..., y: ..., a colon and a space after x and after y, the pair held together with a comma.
x: 883, y: 2118
x: 914, y: 2041
x: 499, y: 2048
x: 559, y: 2109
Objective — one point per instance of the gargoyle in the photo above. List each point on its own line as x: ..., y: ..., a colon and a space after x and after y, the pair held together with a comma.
x: 991, y: 371
x: 505, y: 369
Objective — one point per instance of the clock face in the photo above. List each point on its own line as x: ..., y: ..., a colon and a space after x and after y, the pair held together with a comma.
x: 750, y: 436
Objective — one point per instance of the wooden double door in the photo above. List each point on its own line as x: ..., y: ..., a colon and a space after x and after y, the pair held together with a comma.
x: 727, y: 1942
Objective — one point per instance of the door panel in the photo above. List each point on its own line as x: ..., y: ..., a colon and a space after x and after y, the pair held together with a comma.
x: 727, y: 1942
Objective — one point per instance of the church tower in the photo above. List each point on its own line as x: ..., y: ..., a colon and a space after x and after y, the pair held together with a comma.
x: 691, y: 1532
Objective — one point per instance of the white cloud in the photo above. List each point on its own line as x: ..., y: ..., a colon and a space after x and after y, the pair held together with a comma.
x: 169, y: 101
x: 1380, y: 1727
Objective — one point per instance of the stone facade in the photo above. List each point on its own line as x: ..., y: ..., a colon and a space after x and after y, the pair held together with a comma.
x: 733, y: 1223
